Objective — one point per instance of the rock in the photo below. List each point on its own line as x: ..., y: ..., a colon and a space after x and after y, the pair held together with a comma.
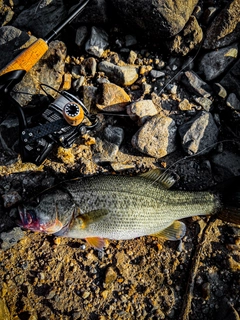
x: 89, y: 96
x: 41, y: 22
x: 10, y: 238
x: 156, y: 74
x: 215, y: 63
x: 107, y: 148
x: 6, y: 13
x: 227, y: 162
x: 121, y: 75
x: 195, y: 84
x: 48, y: 70
x: 97, y: 42
x: 233, y: 102
x: 132, y: 57
x: 81, y: 36
x: 156, y: 137
x: 225, y: 28
x: 141, y: 111
x: 11, y: 198
x: 113, y: 98
x: 130, y: 40
x: 185, y: 105
x: 204, y: 102
x: 188, y: 39
x: 199, y: 133
x: 110, y: 276
x: 220, y: 90
x: 155, y: 19
x: 90, y: 65
x: 96, y: 13
x: 231, y: 80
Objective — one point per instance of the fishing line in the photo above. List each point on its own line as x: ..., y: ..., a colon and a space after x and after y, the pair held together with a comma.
x: 189, y: 62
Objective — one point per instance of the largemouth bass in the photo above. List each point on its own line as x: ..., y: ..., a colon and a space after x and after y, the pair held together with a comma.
x: 122, y: 207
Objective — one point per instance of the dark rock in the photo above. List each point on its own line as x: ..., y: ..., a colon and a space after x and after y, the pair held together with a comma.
x: 233, y: 102
x: 156, y: 137
x: 81, y: 36
x: 157, y: 19
x: 215, y: 63
x: 11, y: 198
x: 225, y: 28
x: 188, y: 39
x: 95, y: 13
x: 41, y: 22
x: 199, y: 134
x: 195, y: 84
x: 97, y: 42
x: 228, y: 162
x: 231, y: 80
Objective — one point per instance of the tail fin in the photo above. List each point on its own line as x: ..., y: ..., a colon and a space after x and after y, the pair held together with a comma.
x: 230, y: 196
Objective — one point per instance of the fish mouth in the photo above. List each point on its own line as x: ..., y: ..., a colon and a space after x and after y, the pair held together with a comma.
x: 31, y: 221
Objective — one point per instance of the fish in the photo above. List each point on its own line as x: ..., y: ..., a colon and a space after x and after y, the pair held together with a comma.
x: 120, y: 207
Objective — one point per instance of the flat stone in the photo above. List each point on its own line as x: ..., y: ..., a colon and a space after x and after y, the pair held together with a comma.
x: 225, y: 28
x: 156, y: 137
x: 215, y: 63
x: 97, y: 42
x: 113, y: 98
x: 195, y: 84
x: 141, y: 111
x: 199, y: 134
x: 156, y: 74
x: 121, y: 75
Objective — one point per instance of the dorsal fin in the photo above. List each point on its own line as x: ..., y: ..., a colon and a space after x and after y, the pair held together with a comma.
x: 175, y: 231
x: 165, y: 178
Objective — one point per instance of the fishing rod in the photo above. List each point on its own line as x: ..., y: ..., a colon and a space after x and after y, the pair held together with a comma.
x: 62, y: 121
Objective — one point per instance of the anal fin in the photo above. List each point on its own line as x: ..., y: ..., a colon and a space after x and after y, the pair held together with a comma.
x: 175, y: 231
x: 97, y: 243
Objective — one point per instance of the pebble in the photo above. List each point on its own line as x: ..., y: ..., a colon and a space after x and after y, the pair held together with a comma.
x: 132, y: 57
x: 120, y: 75
x: 97, y: 42
x: 110, y: 276
x: 141, y: 111
x: 185, y: 105
x: 112, y: 98
x: 130, y: 40
x: 199, y: 133
x: 216, y: 62
x: 156, y: 137
x: 195, y: 84
x: 157, y: 74
x: 220, y: 90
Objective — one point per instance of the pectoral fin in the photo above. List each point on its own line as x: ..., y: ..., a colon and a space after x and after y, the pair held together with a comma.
x: 92, y: 216
x: 175, y: 231
x: 166, y: 179
x: 97, y: 243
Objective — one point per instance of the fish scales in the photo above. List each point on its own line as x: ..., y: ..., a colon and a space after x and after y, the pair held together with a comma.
x: 135, y: 206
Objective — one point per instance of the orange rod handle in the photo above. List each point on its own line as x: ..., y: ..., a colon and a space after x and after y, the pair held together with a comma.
x: 28, y: 58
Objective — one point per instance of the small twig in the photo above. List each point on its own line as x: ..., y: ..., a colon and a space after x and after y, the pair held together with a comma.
x: 186, y: 309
